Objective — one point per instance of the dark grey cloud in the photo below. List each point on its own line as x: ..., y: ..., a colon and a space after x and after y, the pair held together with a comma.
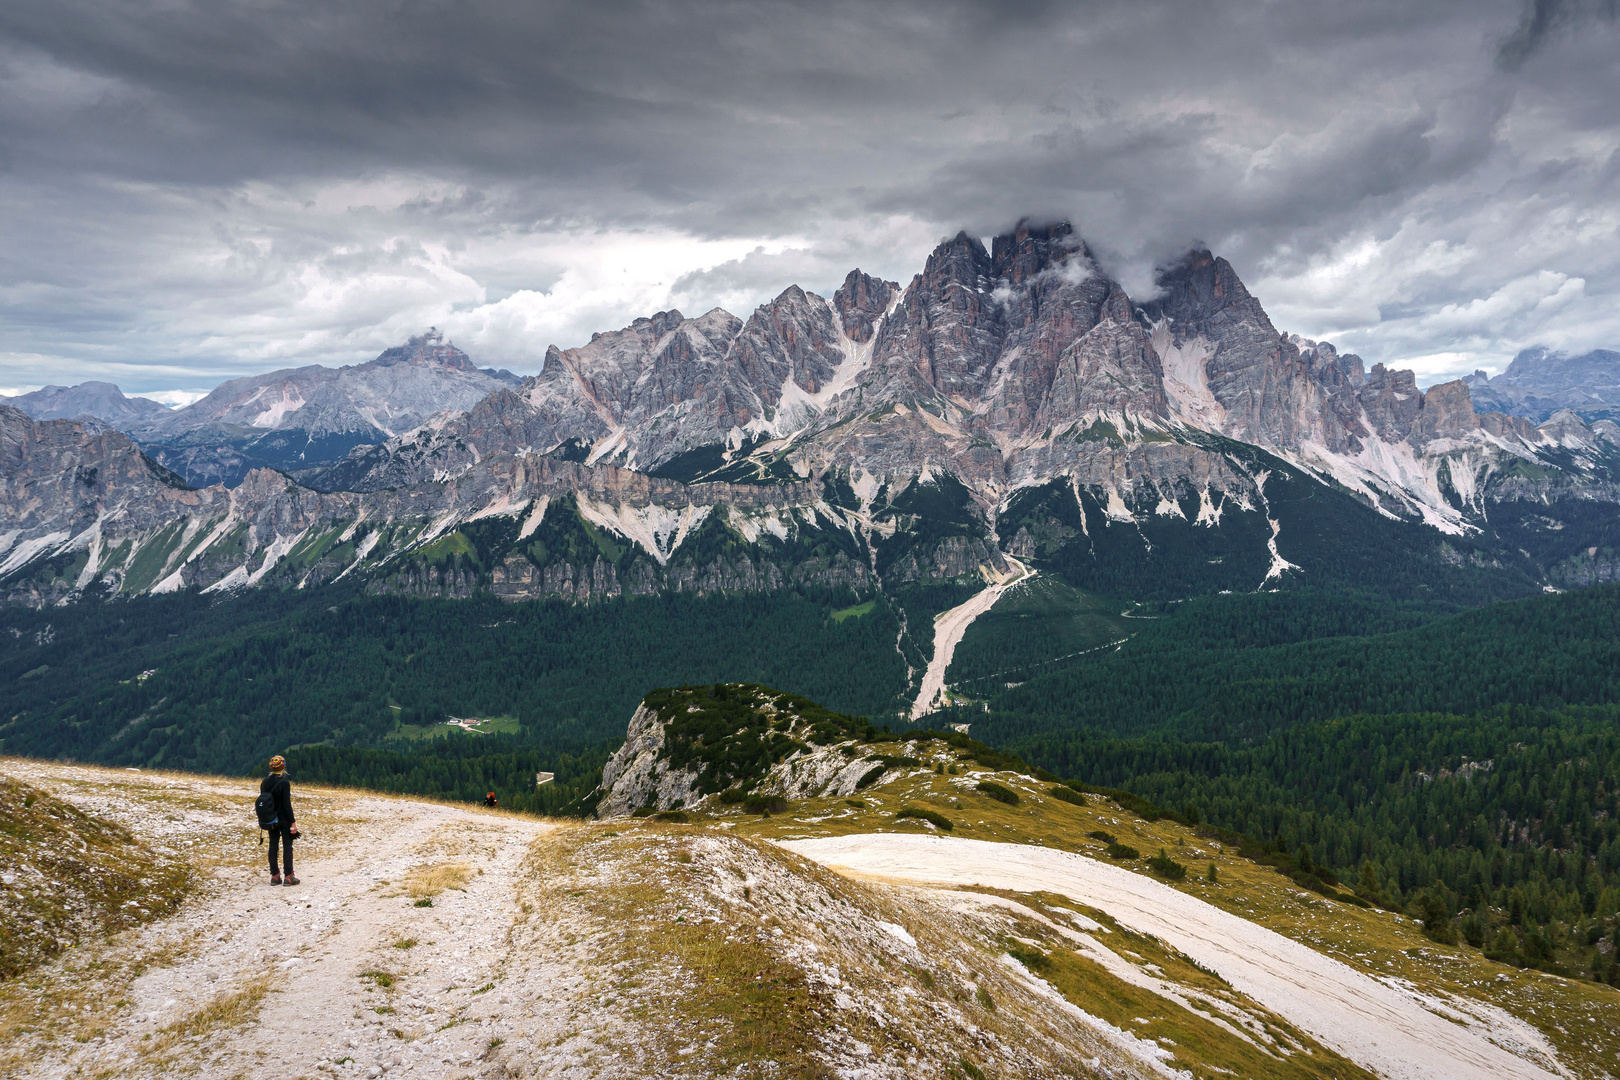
x: 1544, y: 18
x: 191, y: 190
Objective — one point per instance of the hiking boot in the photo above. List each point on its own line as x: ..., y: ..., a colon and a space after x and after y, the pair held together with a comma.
x: 275, y: 879
x: 291, y: 880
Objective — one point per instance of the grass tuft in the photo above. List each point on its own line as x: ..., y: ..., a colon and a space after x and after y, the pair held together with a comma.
x: 426, y: 882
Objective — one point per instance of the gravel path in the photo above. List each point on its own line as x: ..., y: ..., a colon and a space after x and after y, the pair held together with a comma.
x: 257, y: 977
x: 1381, y: 1027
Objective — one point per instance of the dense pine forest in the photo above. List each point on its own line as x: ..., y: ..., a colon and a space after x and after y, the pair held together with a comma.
x: 1460, y: 766
x: 191, y: 682
x: 1465, y: 768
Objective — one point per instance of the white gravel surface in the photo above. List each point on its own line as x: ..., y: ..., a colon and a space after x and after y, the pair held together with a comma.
x: 949, y: 626
x: 1388, y: 1030
x: 313, y: 940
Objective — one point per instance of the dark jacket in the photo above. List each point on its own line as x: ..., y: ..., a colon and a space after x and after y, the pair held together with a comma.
x: 281, y: 790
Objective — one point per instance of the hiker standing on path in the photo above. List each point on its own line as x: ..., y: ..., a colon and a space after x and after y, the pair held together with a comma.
x: 283, y: 829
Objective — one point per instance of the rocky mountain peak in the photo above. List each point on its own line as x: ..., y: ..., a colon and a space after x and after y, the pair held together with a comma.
x: 961, y: 258
x: 427, y: 348
x: 1204, y: 288
x: 860, y: 301
x: 1031, y: 248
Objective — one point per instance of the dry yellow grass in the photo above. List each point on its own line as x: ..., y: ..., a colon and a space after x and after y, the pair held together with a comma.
x: 430, y: 881
x: 226, y: 1011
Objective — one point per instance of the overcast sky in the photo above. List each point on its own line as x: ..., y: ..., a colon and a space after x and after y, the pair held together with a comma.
x: 191, y: 191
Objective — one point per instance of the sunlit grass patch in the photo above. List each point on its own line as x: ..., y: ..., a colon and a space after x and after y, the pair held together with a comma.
x: 426, y: 882
x: 229, y: 1010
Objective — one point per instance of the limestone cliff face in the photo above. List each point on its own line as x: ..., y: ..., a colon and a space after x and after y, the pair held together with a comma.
x: 716, y: 454
x: 639, y: 774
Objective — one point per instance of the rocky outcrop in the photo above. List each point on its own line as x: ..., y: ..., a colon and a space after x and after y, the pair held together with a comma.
x: 1447, y: 413
x: 952, y: 557
x: 639, y: 773
x: 1593, y: 566
x: 822, y: 752
x: 861, y: 302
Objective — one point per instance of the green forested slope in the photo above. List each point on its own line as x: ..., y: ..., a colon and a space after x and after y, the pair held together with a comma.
x: 236, y: 680
x: 1510, y: 817
x: 1241, y: 667
x: 1467, y: 764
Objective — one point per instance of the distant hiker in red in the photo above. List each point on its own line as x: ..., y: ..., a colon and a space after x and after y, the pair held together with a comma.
x: 489, y: 800
x: 274, y: 807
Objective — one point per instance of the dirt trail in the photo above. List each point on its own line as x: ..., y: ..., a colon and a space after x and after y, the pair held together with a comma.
x: 251, y: 976
x: 1384, y: 1028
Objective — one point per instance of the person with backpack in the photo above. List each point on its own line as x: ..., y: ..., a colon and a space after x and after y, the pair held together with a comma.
x: 489, y: 800
x: 274, y: 807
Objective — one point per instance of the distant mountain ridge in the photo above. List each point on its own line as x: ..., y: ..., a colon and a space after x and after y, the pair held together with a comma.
x: 1541, y: 382
x: 300, y: 418
x: 100, y: 400
x: 1010, y: 402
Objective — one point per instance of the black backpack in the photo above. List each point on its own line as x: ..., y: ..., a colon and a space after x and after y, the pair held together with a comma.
x: 265, y: 807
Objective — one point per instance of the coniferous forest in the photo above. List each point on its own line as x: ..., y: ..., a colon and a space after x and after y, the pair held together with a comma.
x: 1463, y: 766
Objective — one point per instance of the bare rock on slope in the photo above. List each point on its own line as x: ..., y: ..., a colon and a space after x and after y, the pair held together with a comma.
x: 688, y: 744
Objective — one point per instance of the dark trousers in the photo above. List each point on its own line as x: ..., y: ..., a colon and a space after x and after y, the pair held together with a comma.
x: 285, y: 837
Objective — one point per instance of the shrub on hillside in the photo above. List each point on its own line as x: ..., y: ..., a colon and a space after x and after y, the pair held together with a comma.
x: 1123, y: 851
x: 998, y: 792
x: 1068, y: 795
x: 1031, y: 958
x: 939, y: 821
x: 765, y: 804
x: 871, y: 776
x: 1165, y: 866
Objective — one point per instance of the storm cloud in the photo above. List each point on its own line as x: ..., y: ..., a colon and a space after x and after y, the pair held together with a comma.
x: 191, y: 191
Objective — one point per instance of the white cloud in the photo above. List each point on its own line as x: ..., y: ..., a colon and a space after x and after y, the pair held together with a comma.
x: 174, y: 399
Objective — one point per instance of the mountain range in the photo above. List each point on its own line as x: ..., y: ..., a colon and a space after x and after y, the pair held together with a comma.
x: 293, y: 419
x: 96, y: 400
x: 1011, y: 406
x: 1541, y: 382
